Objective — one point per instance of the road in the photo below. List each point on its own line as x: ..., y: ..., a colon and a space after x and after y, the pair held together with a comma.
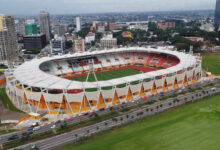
x: 128, y: 117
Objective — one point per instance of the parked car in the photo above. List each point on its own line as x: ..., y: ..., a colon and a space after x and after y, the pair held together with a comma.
x: 86, y: 114
x: 30, y: 128
x: 35, y: 124
x: 36, y: 128
x: 53, y: 126
x: 13, y: 137
x: 102, y: 109
x: 24, y: 134
x: 30, y: 132
x: 58, y: 122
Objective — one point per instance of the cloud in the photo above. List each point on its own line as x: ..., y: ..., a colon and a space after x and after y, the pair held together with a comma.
x: 93, y: 6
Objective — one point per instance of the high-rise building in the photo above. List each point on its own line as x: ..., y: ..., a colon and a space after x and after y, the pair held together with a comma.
x: 78, y: 24
x: 30, y: 28
x: 79, y: 45
x: 20, y: 26
x: 60, y: 29
x: 217, y: 14
x: 8, y: 38
x: 35, y: 41
x: 45, y: 28
x: 57, y: 45
x: 112, y: 26
x: 166, y: 25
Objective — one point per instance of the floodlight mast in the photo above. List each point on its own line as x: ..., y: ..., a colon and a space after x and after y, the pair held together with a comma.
x: 92, y: 71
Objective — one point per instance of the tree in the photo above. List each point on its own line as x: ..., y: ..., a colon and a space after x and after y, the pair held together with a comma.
x: 121, y: 119
x: 152, y: 26
x: 69, y: 44
x: 82, y: 33
x: 76, y: 136
x: 182, y: 46
x: 87, y: 131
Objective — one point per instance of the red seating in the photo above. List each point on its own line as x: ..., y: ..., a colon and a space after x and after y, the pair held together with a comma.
x: 150, y: 57
x: 162, y: 61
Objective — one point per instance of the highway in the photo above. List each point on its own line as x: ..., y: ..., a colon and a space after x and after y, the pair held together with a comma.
x: 130, y: 116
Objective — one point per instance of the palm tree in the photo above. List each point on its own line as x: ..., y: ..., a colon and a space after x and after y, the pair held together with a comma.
x: 121, y: 119
x: 76, y: 135
x: 87, y: 131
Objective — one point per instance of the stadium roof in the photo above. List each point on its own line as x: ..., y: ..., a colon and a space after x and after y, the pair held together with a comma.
x: 30, y: 74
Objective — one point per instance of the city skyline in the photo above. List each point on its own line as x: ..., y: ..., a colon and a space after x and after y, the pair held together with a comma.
x: 100, y: 6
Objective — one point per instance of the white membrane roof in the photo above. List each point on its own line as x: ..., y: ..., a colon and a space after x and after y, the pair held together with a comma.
x: 30, y: 74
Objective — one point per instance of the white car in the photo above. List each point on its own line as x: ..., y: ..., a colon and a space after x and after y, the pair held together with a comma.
x: 53, y: 126
x: 36, y: 128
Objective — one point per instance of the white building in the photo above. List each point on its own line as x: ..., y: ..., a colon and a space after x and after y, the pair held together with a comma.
x: 207, y: 27
x: 8, y: 39
x: 78, y: 24
x: 101, y: 29
x: 79, y: 45
x: 108, y: 41
x: 57, y: 45
x: 90, y: 37
x: 141, y: 27
x: 29, y: 21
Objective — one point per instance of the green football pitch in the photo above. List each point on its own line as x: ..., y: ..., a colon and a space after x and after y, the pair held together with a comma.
x: 211, y: 63
x: 108, y: 75
x: 191, y: 127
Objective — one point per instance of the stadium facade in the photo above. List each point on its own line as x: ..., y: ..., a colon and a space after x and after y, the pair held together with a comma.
x: 43, y: 84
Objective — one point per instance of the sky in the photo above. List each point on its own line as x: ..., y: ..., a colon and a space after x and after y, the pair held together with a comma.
x: 22, y: 7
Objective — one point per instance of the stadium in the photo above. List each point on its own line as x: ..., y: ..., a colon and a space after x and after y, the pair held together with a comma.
x: 85, y: 82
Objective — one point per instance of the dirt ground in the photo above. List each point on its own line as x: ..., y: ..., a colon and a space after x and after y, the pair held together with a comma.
x: 6, y: 114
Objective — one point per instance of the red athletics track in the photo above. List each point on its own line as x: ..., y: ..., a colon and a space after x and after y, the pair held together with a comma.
x: 143, y: 69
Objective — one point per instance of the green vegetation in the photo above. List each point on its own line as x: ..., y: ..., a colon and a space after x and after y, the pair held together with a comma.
x: 32, y: 51
x: 6, y: 101
x: 211, y: 63
x: 2, y: 66
x: 7, y: 131
x: 108, y: 75
x: 69, y: 44
x: 192, y: 127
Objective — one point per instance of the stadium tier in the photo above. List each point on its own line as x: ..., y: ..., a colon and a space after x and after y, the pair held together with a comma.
x: 67, y: 85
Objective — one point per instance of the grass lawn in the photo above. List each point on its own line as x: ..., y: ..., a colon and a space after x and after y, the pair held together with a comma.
x: 211, y: 63
x: 108, y: 75
x: 192, y: 127
x: 6, y: 102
